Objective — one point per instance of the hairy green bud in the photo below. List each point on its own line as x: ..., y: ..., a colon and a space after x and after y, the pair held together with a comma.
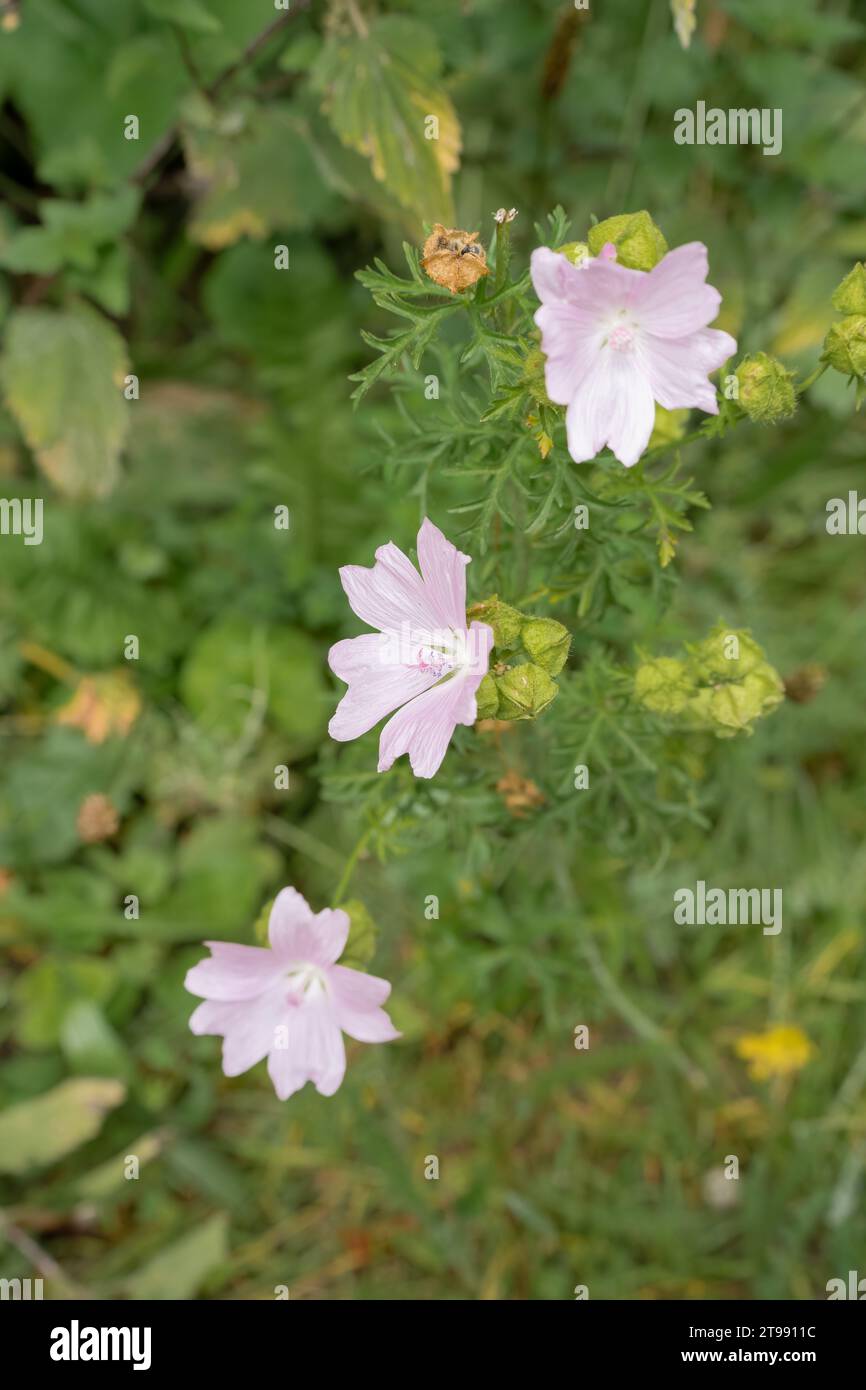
x: 850, y: 296
x: 845, y: 346
x: 638, y: 241
x: 505, y: 620
x: 733, y: 708
x: 525, y: 691
x: 664, y: 685
x: 547, y: 642
x: 724, y: 683
x: 765, y: 389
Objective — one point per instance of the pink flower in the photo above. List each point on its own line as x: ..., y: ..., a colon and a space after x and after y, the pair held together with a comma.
x: 617, y: 340
x: 423, y: 662
x: 289, y: 1003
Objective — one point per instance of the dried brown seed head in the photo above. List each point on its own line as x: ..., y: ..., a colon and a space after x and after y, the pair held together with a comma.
x: 454, y: 258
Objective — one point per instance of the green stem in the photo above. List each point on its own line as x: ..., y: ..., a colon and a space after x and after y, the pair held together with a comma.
x: 811, y: 379
x: 349, y: 869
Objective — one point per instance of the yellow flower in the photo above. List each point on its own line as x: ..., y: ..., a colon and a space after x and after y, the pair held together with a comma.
x: 780, y: 1051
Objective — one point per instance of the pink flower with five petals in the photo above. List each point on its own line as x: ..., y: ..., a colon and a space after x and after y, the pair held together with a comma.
x: 618, y: 340
x: 424, y: 661
x: 290, y: 1003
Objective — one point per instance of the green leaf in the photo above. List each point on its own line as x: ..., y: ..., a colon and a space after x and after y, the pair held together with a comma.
x: 37, y: 1132
x: 45, y: 992
x: 189, y: 14
x: 62, y: 374
x: 179, y: 1271
x: 234, y: 668
x: 256, y: 171
x: 224, y: 870
x: 90, y: 1044
x: 381, y: 89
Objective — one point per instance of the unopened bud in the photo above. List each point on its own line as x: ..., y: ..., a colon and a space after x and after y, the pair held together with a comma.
x: 638, y: 241
x: 525, y: 691
x: 845, y: 346
x: 765, y: 389
x: 505, y: 620
x: 850, y: 296
x: 547, y: 642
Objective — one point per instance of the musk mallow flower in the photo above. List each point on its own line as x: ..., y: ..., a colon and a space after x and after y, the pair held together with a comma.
x: 289, y: 1002
x: 617, y: 340
x: 423, y: 661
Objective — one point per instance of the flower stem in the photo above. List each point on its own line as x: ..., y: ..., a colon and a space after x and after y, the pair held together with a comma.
x: 349, y: 869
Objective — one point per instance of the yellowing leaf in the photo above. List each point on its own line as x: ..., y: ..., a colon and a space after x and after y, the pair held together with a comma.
x: 255, y: 173
x: 383, y: 97
x: 101, y: 706
x: 37, y: 1132
x: 62, y: 374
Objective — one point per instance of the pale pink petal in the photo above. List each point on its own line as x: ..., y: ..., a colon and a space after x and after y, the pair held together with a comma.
x: 443, y: 567
x: 233, y: 972
x: 570, y: 340
x: 314, y: 940
x: 673, y: 300
x: 552, y: 274
x: 424, y: 728
x: 289, y: 911
x: 315, y: 1051
x: 357, y: 998
x: 677, y: 368
x: 376, y: 685
x: 391, y: 594
x: 355, y: 989
x: 247, y: 1028
x: 713, y: 347
x: 613, y: 406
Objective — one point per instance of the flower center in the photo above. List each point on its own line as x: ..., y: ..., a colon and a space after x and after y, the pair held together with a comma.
x: 621, y: 338
x: 306, y: 983
x: 432, y: 659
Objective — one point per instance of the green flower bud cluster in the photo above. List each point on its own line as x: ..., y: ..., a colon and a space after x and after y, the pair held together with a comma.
x: 765, y: 389
x: 638, y: 241
x: 529, y: 653
x: 722, y: 684
x: 845, y: 343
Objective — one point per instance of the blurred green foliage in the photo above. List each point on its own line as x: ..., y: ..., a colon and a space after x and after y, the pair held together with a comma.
x: 165, y: 389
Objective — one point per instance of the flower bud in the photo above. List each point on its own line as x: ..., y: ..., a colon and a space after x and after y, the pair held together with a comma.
x: 525, y: 691
x: 487, y: 699
x: 766, y: 391
x: 638, y: 241
x: 845, y: 346
x: 664, y: 685
x: 733, y: 708
x: 505, y: 620
x: 547, y: 643
x: 850, y: 296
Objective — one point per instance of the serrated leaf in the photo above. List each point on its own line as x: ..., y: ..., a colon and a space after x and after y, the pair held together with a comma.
x: 62, y: 372
x: 383, y: 97
x: 37, y: 1132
